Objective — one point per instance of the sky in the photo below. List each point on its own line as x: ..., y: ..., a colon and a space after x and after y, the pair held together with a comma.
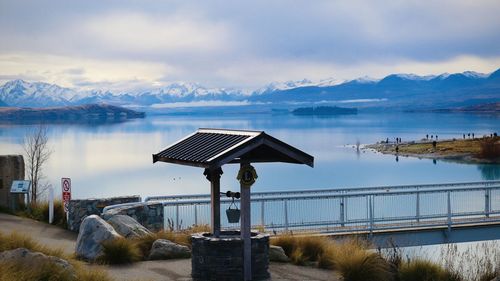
x: 121, y: 45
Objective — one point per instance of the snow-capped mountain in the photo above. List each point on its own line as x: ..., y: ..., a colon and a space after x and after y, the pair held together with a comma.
x: 22, y: 93
x: 395, y: 89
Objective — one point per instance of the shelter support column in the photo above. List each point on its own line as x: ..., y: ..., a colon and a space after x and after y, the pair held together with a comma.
x: 213, y: 175
x: 247, y: 178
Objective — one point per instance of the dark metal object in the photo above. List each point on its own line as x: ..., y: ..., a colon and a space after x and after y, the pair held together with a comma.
x: 212, y: 148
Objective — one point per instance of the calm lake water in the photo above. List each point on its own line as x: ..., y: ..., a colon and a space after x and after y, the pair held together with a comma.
x: 115, y: 159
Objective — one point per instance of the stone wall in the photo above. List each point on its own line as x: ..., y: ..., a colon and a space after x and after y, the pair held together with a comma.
x: 11, y: 168
x: 222, y: 258
x: 79, y: 209
x: 149, y: 215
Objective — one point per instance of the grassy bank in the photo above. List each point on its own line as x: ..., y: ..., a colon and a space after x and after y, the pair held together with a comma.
x: 479, y: 150
x: 18, y: 271
x: 355, y: 261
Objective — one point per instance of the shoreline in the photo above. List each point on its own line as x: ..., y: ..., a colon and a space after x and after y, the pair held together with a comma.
x: 466, y: 151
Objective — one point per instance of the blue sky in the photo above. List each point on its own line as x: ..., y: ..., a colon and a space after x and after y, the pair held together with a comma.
x: 123, y: 44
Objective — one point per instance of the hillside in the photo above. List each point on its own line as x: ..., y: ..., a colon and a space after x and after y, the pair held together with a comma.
x: 395, y: 91
x: 83, y: 113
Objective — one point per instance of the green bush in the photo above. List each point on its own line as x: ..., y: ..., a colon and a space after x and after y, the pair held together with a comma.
x: 119, y: 251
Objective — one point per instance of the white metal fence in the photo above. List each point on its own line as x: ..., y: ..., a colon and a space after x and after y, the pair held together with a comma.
x: 350, y: 209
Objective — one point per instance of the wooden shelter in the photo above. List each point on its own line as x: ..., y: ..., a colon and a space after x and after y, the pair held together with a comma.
x: 212, y: 148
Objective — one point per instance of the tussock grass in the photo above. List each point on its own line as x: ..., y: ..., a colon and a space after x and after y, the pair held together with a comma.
x: 40, y: 212
x: 304, y: 250
x: 16, y: 240
x: 17, y: 271
x: 356, y: 263
x: 422, y: 270
x: 120, y: 251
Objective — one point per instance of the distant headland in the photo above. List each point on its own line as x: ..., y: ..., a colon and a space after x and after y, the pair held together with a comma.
x: 81, y: 113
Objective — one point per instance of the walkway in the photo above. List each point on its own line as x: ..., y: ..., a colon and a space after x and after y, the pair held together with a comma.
x: 56, y: 237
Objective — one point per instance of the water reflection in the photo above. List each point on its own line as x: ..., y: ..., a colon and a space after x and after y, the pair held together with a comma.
x: 489, y: 171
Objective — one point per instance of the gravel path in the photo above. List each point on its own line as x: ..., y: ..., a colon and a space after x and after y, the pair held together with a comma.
x: 57, y: 237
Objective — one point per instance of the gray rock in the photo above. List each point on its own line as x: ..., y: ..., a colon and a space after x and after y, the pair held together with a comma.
x: 163, y: 249
x: 276, y: 253
x: 29, y: 258
x: 127, y: 226
x: 93, y: 231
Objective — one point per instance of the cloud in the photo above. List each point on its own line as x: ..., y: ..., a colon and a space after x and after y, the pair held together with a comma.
x: 244, y: 44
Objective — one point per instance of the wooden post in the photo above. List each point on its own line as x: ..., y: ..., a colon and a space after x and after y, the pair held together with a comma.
x: 246, y: 228
x: 214, y: 178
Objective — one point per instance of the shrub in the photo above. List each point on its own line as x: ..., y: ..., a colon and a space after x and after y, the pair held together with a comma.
x: 15, y: 271
x: 287, y: 242
x: 119, y: 251
x: 16, y: 240
x: 490, y: 148
x: 40, y: 212
x: 41, y: 271
x: 422, y: 270
x: 145, y: 242
x: 356, y: 263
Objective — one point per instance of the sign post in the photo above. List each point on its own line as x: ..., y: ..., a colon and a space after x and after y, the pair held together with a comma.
x: 247, y: 177
x: 51, y: 205
x: 66, y: 192
x: 20, y: 187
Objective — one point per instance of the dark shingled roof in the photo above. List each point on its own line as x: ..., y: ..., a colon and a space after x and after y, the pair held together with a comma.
x: 211, y: 148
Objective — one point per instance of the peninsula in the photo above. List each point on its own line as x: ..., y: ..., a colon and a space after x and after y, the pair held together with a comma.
x: 471, y: 150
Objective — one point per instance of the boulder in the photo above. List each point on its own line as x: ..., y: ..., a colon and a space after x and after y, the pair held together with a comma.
x: 276, y: 253
x: 163, y: 249
x: 127, y: 226
x: 30, y: 259
x: 93, y: 231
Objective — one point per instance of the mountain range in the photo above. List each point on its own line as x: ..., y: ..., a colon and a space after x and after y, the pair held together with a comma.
x: 393, y: 91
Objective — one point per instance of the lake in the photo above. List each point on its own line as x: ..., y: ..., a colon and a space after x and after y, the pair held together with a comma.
x: 116, y: 159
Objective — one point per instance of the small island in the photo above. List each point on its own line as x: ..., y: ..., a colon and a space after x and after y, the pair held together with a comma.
x: 484, y: 150
x: 324, y: 110
x: 81, y: 113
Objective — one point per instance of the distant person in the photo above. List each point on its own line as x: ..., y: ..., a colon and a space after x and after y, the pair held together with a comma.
x: 473, y: 135
x: 432, y: 137
x: 464, y: 136
x: 427, y: 136
x: 495, y: 134
x: 387, y: 140
x: 436, y: 137
x: 468, y: 135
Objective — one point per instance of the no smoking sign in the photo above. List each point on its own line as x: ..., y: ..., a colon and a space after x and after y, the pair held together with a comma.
x: 66, y: 192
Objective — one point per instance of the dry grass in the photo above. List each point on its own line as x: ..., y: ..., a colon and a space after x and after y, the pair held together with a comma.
x: 356, y: 263
x: 120, y: 251
x: 422, y: 270
x: 481, y: 148
x: 40, y: 212
x: 304, y: 250
x: 16, y: 271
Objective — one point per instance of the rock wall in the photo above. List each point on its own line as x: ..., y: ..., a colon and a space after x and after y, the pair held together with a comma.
x: 222, y: 258
x: 11, y: 168
x: 79, y: 209
x: 150, y: 215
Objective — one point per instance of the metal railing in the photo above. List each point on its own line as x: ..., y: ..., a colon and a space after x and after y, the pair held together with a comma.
x: 353, y: 209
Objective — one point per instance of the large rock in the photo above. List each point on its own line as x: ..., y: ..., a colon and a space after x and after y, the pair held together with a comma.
x: 93, y: 231
x: 127, y: 226
x: 30, y: 259
x: 276, y: 253
x: 163, y: 249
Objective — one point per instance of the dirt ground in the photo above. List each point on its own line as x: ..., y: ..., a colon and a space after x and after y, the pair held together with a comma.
x: 180, y: 269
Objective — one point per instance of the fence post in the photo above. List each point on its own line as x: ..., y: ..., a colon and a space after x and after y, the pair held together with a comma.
x: 487, y: 207
x: 418, y: 206
x: 286, y: 215
x: 449, y: 211
x: 371, y: 214
x: 177, y: 217
x: 342, y: 214
x: 195, y: 214
x: 262, y: 222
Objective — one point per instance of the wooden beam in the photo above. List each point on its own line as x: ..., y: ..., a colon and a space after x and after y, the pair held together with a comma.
x: 246, y: 230
x: 214, y: 178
